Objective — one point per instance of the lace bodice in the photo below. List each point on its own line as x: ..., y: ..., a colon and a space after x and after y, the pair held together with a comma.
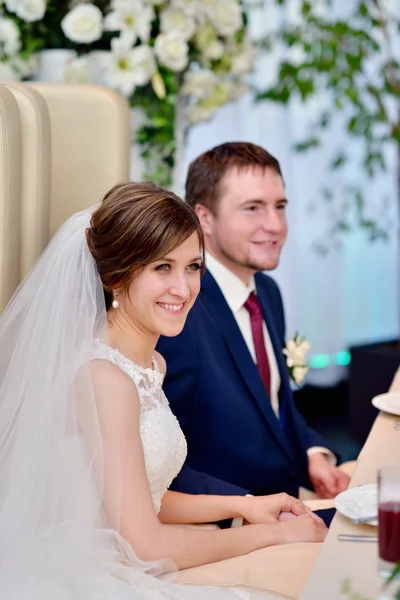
x: 164, y: 444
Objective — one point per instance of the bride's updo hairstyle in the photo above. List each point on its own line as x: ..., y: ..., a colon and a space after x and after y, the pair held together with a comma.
x: 137, y: 224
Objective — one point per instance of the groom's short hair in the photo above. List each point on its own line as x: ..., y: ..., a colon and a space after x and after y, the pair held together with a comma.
x: 206, y: 172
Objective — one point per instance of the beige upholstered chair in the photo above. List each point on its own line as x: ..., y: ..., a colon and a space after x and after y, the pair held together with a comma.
x: 90, y: 144
x: 10, y: 195
x: 61, y: 148
x: 35, y: 173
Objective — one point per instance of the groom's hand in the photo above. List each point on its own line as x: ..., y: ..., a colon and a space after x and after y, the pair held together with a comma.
x: 271, y: 509
x: 328, y: 481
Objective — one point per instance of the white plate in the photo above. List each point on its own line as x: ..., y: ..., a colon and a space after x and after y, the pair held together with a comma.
x: 390, y: 403
x: 359, y: 502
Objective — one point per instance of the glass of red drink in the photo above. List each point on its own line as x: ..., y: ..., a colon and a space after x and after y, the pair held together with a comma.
x: 389, y: 518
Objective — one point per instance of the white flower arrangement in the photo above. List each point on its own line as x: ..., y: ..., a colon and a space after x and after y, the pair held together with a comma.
x: 160, y: 54
x: 27, y: 10
x: 83, y: 24
x: 295, y: 351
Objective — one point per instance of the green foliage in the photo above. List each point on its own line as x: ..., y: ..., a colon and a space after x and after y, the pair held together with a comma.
x: 156, y: 137
x: 394, y: 574
x: 351, y: 64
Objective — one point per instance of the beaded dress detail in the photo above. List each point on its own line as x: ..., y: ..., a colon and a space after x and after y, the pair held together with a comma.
x: 164, y: 444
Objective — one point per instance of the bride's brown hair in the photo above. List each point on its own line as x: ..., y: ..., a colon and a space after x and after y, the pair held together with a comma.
x: 137, y: 224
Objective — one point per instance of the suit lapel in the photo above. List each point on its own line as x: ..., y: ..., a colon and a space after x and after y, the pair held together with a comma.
x: 285, y: 391
x: 216, y: 305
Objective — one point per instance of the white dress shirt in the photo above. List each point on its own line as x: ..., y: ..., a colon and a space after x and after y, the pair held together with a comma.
x: 236, y: 293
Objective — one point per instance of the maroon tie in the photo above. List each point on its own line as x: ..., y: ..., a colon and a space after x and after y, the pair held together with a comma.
x: 252, y: 304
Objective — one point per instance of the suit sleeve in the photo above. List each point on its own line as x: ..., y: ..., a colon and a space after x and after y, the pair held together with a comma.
x: 181, y: 356
x: 310, y: 437
x: 190, y: 481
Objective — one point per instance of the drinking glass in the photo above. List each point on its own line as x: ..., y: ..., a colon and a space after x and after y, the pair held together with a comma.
x: 389, y: 518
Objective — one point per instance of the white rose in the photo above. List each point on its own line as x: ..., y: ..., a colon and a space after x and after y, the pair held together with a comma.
x: 290, y: 352
x: 172, y: 50
x: 296, y: 353
x: 197, y: 114
x: 173, y: 19
x: 205, y: 35
x: 226, y: 16
x: 193, y: 8
x: 294, y: 357
x: 130, y: 16
x: 220, y: 94
x: 27, y: 10
x: 83, y: 24
x: 304, y: 345
x: 243, y: 61
x: 299, y: 373
x: 143, y: 64
x: 198, y: 84
x: 214, y: 50
x: 9, y: 37
x: 299, y: 356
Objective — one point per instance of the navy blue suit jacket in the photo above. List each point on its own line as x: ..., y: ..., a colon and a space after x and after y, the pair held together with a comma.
x: 236, y: 445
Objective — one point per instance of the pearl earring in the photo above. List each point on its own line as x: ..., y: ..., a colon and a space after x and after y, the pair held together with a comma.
x: 115, y: 303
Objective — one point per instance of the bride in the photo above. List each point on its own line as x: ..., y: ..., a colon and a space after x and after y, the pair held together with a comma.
x: 88, y: 444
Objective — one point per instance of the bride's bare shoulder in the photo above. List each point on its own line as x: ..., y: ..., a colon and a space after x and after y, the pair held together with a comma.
x: 106, y: 375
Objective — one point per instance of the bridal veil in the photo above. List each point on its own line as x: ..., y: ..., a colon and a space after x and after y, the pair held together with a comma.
x: 55, y: 539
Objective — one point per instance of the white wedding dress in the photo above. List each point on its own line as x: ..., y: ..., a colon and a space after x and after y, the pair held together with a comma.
x: 165, y: 449
x: 164, y: 444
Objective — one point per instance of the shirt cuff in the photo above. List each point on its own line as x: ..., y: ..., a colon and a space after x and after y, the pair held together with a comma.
x: 238, y: 521
x: 330, y: 457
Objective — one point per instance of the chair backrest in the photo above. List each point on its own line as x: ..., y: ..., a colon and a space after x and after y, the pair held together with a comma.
x: 90, y: 141
x: 35, y: 173
x: 10, y: 195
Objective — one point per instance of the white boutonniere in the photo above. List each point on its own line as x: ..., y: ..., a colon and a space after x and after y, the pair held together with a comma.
x: 295, y: 351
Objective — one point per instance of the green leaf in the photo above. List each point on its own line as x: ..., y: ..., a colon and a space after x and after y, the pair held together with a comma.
x: 307, y: 144
x: 394, y: 574
x: 339, y: 161
x: 339, y: 103
x: 363, y: 9
x: 306, y: 9
x: 159, y: 121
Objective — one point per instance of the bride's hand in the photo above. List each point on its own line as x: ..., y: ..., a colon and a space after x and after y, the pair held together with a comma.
x: 306, y: 528
x: 271, y: 509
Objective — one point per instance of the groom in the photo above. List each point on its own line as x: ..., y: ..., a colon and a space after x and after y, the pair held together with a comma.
x: 227, y: 381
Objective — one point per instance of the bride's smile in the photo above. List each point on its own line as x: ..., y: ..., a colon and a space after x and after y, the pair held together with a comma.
x: 160, y: 295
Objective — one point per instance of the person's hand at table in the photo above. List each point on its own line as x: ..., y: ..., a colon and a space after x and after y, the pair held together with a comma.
x: 271, y: 509
x: 305, y: 528
x: 328, y: 481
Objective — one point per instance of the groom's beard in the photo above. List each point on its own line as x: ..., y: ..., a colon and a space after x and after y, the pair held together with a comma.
x: 267, y: 263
